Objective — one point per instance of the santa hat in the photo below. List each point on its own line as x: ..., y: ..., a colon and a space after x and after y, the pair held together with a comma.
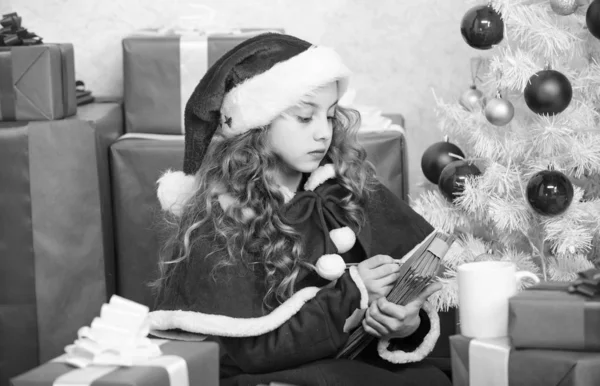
x: 247, y: 88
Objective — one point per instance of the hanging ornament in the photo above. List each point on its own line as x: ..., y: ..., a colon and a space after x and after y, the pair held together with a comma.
x: 472, y: 99
x: 548, y: 92
x: 549, y: 192
x: 437, y: 157
x: 564, y: 7
x: 482, y: 27
x: 592, y: 18
x: 499, y: 111
x: 453, y: 177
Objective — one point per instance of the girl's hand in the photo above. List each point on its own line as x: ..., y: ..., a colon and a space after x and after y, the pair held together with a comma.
x: 379, y: 273
x: 385, y: 319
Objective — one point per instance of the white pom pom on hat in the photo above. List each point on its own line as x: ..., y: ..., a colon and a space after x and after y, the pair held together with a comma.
x: 174, y: 190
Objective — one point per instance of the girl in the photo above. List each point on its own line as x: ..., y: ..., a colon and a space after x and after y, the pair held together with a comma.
x: 274, y: 203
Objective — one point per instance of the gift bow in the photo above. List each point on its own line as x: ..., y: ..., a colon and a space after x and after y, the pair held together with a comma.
x: 118, y: 337
x: 12, y: 34
x: 588, y: 283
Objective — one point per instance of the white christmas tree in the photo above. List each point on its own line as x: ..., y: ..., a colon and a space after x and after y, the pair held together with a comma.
x: 518, y: 175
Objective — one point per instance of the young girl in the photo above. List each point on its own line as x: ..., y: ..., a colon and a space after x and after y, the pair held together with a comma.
x: 285, y: 241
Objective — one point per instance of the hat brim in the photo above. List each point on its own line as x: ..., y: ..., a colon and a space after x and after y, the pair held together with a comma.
x: 257, y: 101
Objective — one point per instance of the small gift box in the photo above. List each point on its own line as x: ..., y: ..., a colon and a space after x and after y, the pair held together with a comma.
x: 556, y: 315
x: 162, y: 68
x: 114, y: 350
x: 37, y: 81
x: 493, y: 362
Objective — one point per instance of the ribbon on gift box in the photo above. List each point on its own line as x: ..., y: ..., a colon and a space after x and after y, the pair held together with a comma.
x: 13, y: 34
x: 176, y: 368
x: 558, y: 315
x: 116, y: 339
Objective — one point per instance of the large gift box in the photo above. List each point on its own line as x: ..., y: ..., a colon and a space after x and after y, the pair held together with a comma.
x: 162, y: 69
x: 493, y: 362
x: 137, y: 161
x: 181, y: 363
x: 56, y: 244
x: 37, y: 82
x: 549, y: 316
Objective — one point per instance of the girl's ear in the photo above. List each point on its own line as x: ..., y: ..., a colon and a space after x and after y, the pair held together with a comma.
x: 174, y: 189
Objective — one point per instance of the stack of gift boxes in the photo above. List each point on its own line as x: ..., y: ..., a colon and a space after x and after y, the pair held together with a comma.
x: 56, y: 248
x: 553, y: 339
x: 82, y: 215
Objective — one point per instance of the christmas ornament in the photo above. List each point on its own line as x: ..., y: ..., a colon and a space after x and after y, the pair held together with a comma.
x: 437, y: 157
x: 472, y: 99
x: 592, y: 18
x: 453, y: 177
x: 482, y: 27
x: 564, y: 7
x: 548, y: 92
x: 549, y: 192
x: 499, y: 111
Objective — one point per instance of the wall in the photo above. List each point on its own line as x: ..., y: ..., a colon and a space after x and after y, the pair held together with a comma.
x: 399, y: 50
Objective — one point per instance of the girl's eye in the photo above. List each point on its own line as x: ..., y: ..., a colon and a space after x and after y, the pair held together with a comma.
x: 304, y: 119
x: 332, y: 118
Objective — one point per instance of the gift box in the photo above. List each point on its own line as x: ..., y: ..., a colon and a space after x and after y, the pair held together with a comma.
x: 549, y: 316
x: 137, y: 161
x: 161, y: 70
x: 37, y: 83
x: 56, y: 243
x: 493, y: 362
x: 181, y: 363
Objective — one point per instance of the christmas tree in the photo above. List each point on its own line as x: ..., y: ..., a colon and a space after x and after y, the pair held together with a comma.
x: 517, y: 177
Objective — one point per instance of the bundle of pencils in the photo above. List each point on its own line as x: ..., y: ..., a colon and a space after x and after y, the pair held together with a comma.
x: 416, y: 273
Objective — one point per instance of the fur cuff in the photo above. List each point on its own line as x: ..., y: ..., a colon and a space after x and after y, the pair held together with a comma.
x: 364, y: 295
x: 423, y: 350
x: 174, y: 190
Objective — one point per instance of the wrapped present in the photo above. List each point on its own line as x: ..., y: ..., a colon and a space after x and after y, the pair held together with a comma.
x: 137, y: 161
x: 115, y: 350
x: 493, y: 362
x: 557, y: 315
x: 56, y: 243
x: 162, y: 68
x: 37, y: 81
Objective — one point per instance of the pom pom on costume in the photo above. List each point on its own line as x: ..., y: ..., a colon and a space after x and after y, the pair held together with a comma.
x: 331, y: 267
x: 174, y: 190
x: 343, y: 238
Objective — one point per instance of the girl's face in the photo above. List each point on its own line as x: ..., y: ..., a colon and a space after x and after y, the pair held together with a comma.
x: 301, y: 136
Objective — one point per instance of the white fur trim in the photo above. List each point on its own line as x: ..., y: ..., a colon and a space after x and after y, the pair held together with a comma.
x: 354, y: 320
x: 343, y: 238
x: 364, y: 294
x: 319, y: 175
x: 259, y: 100
x: 330, y: 267
x: 174, y: 189
x: 424, y: 348
x: 220, y: 325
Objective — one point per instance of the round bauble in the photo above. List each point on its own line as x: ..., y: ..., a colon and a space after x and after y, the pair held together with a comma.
x: 472, y: 99
x: 549, y: 192
x: 482, y: 27
x: 499, y: 112
x: 564, y: 7
x: 548, y: 92
x: 437, y: 157
x: 453, y: 177
x: 592, y: 18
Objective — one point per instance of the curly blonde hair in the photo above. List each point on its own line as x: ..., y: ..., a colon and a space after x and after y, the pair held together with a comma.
x: 251, y: 229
